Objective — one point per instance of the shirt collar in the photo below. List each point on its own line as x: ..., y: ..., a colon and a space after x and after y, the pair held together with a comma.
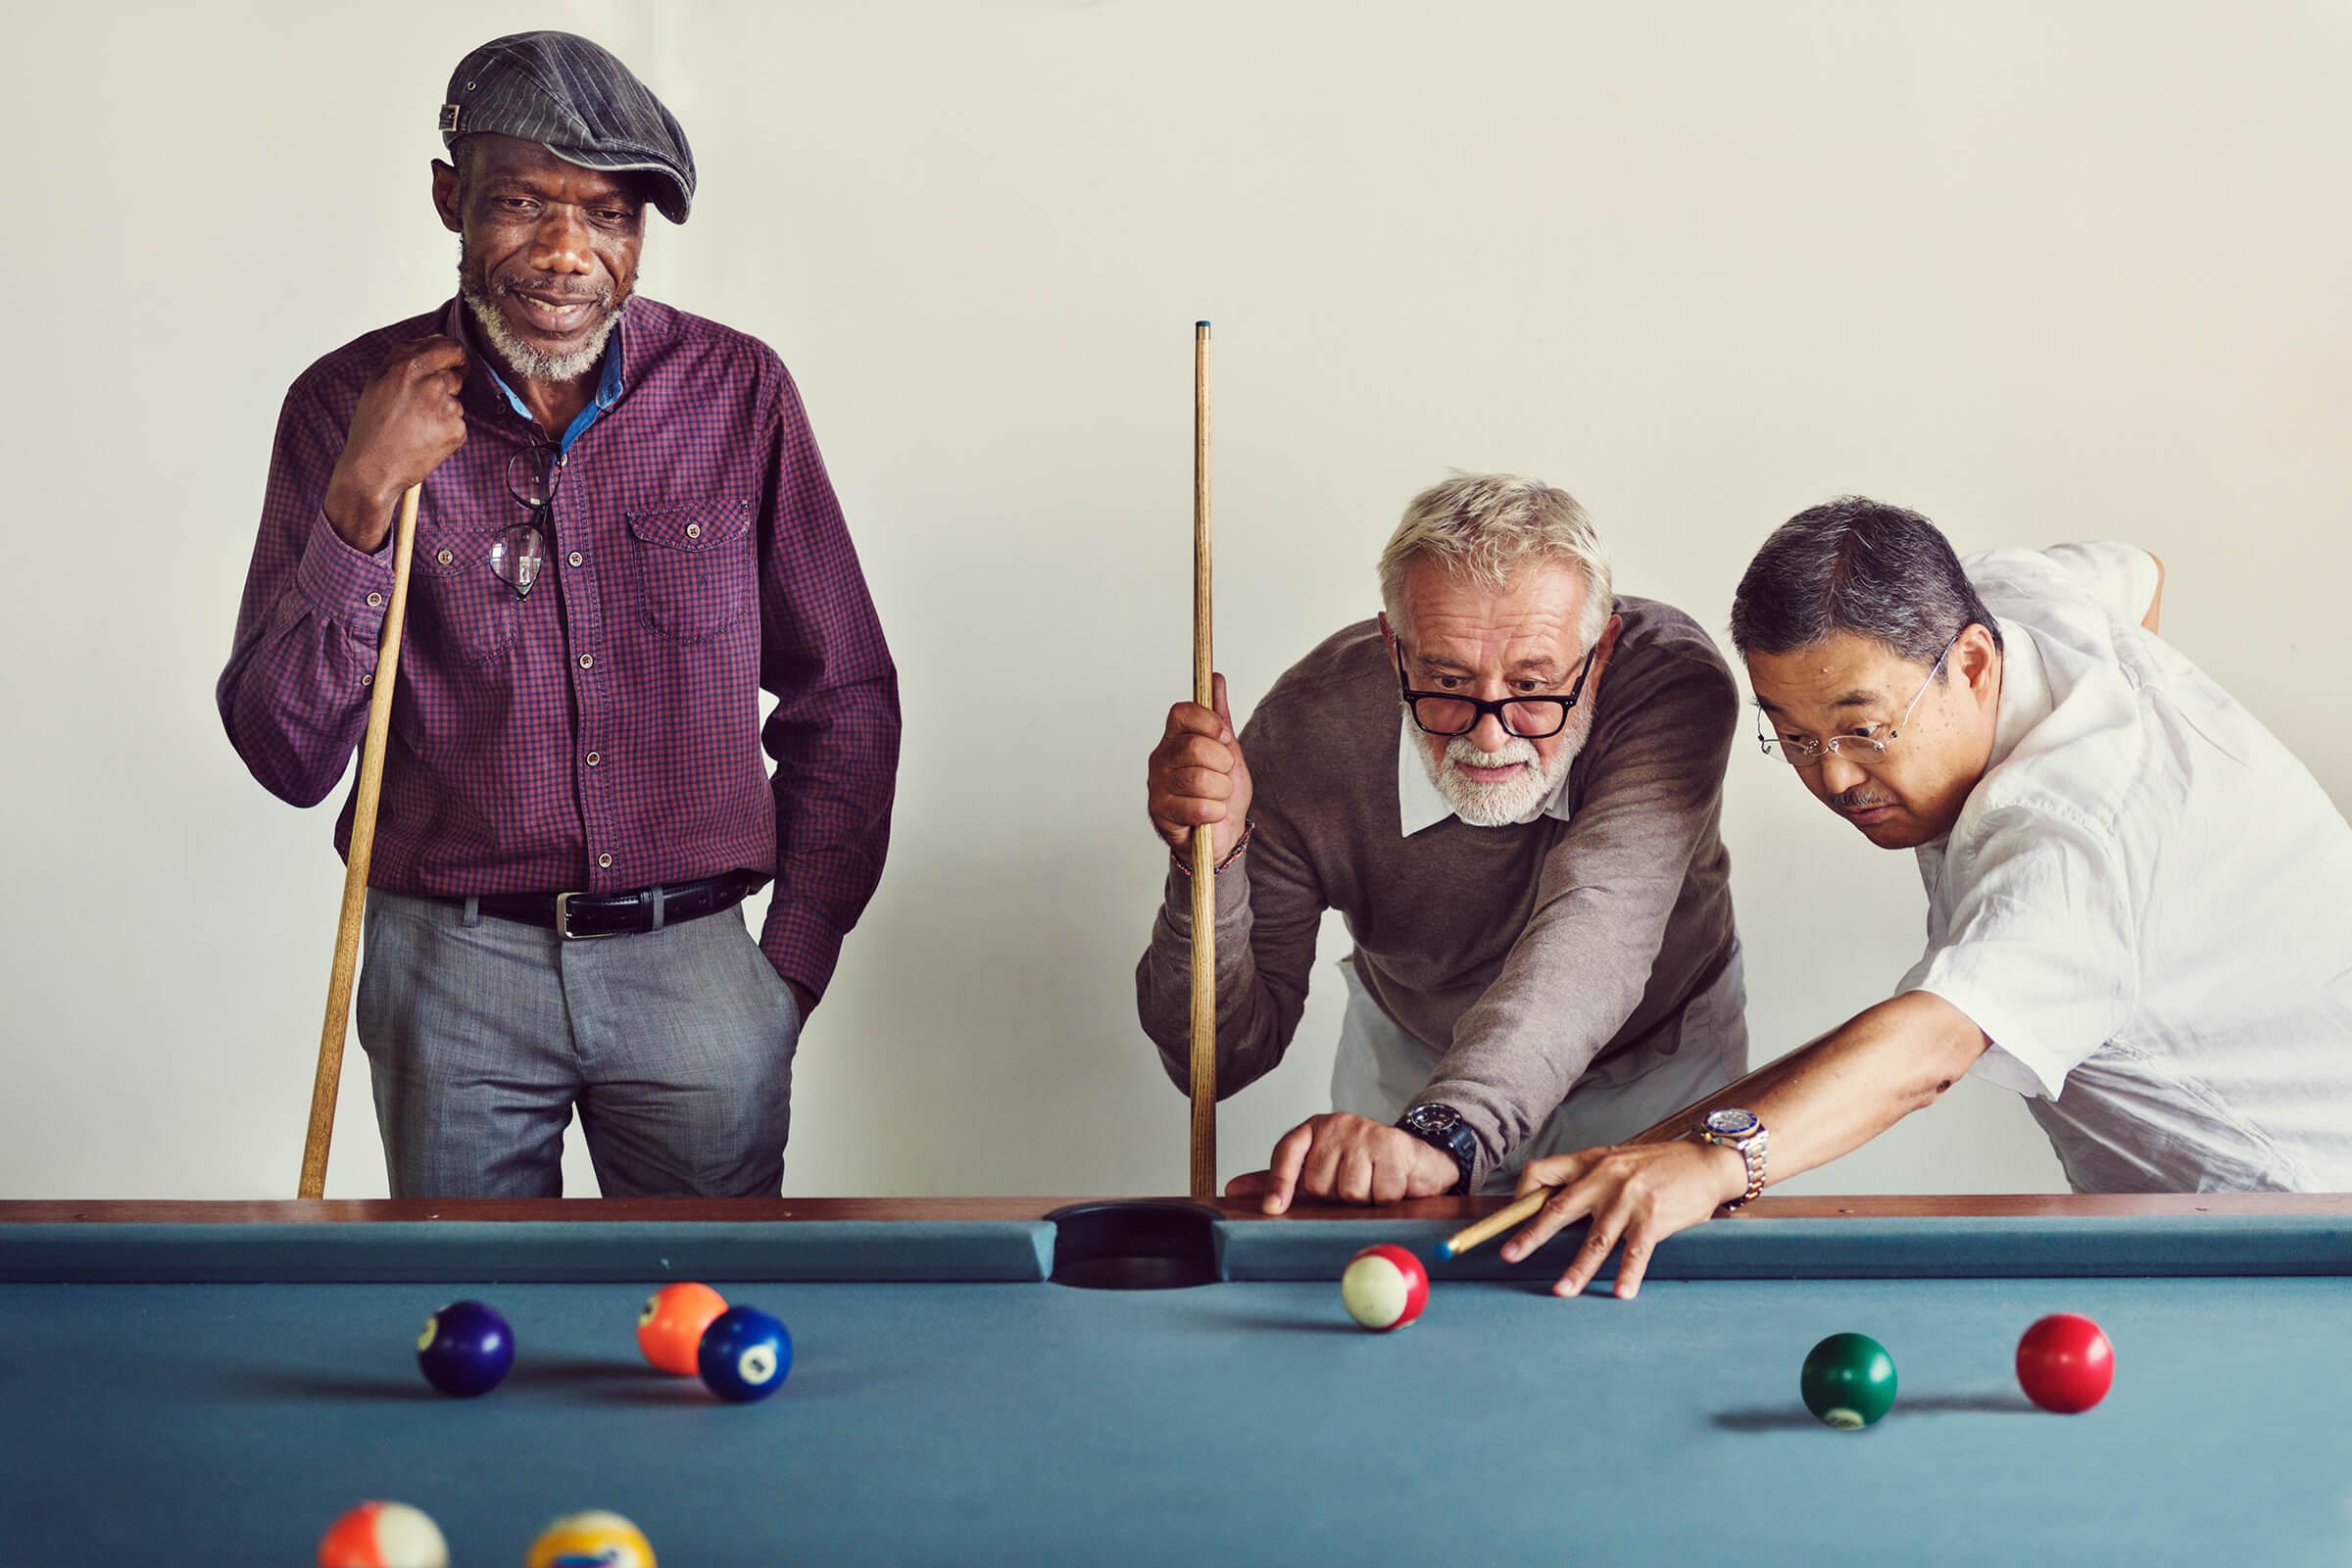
x: 2026, y: 699
x: 2025, y: 702
x: 1420, y: 805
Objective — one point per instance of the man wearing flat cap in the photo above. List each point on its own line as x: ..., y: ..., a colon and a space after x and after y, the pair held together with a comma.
x: 626, y: 534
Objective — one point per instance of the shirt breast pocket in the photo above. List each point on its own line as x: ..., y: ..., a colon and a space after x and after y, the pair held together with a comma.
x: 696, y: 567
x: 459, y: 596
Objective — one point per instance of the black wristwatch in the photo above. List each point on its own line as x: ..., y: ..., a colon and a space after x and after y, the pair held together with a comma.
x: 1442, y: 1128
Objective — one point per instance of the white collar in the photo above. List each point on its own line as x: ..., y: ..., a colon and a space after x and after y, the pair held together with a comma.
x: 1420, y: 806
x: 2025, y: 702
x: 2026, y: 699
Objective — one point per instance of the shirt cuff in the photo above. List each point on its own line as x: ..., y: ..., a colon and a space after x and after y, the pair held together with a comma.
x: 344, y: 585
x: 803, y: 947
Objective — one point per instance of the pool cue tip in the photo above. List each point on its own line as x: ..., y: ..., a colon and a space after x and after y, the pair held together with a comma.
x: 1493, y: 1225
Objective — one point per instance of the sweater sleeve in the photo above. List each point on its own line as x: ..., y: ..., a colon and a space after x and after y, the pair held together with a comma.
x: 1270, y: 912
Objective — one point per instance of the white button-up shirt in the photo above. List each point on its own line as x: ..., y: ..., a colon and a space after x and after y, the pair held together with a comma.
x: 2146, y: 903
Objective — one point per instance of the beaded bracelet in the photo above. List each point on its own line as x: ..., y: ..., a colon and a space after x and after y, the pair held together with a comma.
x: 1249, y: 826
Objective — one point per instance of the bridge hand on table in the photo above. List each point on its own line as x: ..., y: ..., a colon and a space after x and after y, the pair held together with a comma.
x: 1636, y: 1195
x: 1351, y: 1160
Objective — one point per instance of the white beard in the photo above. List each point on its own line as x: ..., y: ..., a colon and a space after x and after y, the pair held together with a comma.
x: 1521, y: 796
x: 528, y: 361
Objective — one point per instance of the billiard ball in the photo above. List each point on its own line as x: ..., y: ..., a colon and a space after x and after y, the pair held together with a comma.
x: 597, y: 1540
x: 745, y: 1354
x: 1848, y: 1381
x: 1383, y: 1288
x: 2064, y: 1363
x: 383, y: 1535
x: 466, y: 1350
x: 669, y: 1331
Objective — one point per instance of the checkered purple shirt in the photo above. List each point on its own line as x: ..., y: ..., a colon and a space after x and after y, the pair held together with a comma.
x: 601, y: 734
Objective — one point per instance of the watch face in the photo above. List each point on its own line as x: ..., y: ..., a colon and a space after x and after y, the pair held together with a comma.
x: 1435, y: 1120
x: 1733, y: 1123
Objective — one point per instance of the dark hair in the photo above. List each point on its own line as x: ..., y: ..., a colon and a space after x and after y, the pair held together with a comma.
x: 1854, y: 564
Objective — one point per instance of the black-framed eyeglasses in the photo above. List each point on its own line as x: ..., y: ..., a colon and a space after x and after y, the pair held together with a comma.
x: 520, y: 554
x: 1531, y: 718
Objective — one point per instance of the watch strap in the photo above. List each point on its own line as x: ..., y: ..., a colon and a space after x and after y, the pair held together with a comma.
x: 1751, y: 1151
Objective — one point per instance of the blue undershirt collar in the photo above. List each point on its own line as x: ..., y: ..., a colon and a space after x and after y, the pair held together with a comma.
x: 608, y: 387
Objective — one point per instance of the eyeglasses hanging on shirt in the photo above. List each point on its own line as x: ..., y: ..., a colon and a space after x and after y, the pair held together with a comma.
x: 520, y: 554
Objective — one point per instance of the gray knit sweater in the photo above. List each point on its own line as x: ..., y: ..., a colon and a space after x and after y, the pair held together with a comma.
x: 1531, y: 956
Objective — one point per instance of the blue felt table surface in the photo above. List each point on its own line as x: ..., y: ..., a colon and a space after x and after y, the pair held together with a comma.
x: 1235, y: 1423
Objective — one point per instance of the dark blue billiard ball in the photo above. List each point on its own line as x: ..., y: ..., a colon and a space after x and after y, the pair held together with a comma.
x: 745, y: 1354
x: 466, y: 1350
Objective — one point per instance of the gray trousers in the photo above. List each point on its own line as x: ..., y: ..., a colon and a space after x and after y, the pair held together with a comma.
x: 483, y: 1034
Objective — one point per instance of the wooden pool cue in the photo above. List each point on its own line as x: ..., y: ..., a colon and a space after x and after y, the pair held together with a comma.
x: 1205, y: 837
x: 355, y: 867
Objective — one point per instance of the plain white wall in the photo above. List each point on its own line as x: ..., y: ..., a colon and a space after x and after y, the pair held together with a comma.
x: 2043, y: 271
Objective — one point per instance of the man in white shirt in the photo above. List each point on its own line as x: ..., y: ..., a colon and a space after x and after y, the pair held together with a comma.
x: 2139, y: 904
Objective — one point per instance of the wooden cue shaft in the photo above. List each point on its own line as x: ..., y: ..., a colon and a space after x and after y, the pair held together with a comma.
x: 354, y: 869
x: 1493, y: 1225
x: 1204, y: 854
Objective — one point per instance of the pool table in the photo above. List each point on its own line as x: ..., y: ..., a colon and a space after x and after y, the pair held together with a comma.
x: 213, y: 1383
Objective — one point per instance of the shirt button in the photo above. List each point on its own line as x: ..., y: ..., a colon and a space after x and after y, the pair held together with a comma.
x: 587, y: 661
x: 595, y: 757
x: 604, y: 863
x: 444, y: 558
x: 693, y: 530
x: 374, y: 599
x: 575, y: 558
x: 368, y: 680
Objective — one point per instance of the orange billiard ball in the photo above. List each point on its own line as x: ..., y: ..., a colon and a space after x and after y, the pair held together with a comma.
x: 669, y: 1331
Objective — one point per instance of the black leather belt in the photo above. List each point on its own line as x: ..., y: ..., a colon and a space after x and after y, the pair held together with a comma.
x: 579, y: 917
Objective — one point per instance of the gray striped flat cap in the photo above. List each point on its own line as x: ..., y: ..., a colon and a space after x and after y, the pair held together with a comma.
x: 574, y: 98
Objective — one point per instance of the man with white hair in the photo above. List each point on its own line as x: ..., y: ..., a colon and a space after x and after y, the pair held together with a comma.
x: 1509, y: 784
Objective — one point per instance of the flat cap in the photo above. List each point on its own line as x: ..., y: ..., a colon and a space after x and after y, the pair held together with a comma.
x: 579, y: 102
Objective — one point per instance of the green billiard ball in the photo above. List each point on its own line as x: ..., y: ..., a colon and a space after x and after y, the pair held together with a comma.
x: 1848, y: 1381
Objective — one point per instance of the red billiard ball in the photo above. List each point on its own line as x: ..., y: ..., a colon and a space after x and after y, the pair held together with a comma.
x: 1383, y: 1288
x: 2064, y: 1363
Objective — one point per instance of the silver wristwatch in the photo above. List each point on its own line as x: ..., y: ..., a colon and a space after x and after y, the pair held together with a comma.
x: 1738, y: 1130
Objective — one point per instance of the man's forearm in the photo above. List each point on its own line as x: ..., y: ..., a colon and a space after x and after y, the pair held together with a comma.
x: 1833, y: 1095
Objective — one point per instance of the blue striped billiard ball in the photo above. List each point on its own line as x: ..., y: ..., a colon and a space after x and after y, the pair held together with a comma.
x: 745, y: 1354
x: 466, y: 1350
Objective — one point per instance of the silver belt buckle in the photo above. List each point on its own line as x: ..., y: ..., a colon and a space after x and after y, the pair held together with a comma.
x: 563, y: 921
